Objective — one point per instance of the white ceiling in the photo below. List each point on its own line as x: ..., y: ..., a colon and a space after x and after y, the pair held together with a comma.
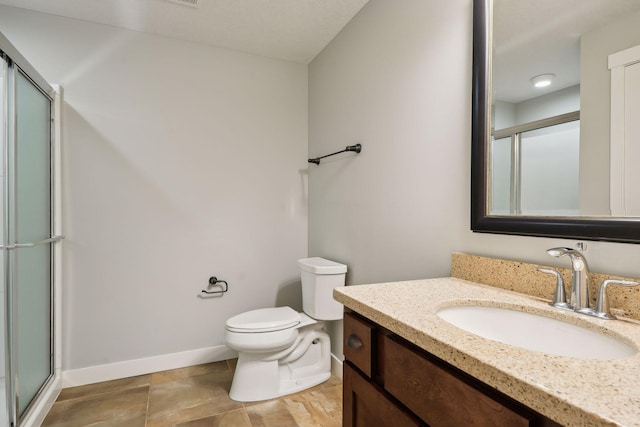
x: 294, y: 30
x: 543, y: 36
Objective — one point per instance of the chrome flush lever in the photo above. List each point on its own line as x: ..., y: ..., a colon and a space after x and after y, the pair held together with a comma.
x: 602, y: 303
x: 560, y: 296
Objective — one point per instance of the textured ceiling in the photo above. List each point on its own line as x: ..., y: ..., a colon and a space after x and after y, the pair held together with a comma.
x: 294, y: 30
x: 543, y: 36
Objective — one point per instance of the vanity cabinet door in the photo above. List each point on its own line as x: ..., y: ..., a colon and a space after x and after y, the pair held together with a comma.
x: 437, y: 396
x: 358, y: 343
x: 366, y: 405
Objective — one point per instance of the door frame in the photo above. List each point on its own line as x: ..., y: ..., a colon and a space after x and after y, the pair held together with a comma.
x: 618, y: 165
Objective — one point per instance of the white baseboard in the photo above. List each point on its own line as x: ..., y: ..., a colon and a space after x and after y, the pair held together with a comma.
x: 132, y: 368
x: 336, y: 365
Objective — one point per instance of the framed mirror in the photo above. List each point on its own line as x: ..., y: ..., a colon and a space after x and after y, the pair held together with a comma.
x: 561, y: 160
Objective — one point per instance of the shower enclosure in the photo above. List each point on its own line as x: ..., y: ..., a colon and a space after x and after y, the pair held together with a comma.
x: 29, y: 371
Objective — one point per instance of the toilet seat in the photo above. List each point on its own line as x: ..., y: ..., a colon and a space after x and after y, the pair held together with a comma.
x: 264, y: 320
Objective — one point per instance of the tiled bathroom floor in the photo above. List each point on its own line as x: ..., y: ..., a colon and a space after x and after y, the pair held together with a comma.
x: 196, y: 396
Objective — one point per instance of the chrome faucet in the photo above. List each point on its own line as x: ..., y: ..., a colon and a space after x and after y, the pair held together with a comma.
x: 579, y: 297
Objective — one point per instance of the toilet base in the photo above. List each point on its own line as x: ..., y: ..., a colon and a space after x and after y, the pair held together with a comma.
x: 263, y: 376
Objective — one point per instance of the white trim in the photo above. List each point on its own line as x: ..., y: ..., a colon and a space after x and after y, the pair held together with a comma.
x: 336, y: 365
x: 624, y: 57
x: 132, y: 368
x: 617, y: 144
x: 618, y: 163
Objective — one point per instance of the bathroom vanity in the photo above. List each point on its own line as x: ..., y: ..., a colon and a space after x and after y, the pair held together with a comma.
x: 404, y: 365
x: 387, y: 379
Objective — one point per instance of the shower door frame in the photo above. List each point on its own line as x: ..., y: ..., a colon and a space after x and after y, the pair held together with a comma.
x: 36, y: 410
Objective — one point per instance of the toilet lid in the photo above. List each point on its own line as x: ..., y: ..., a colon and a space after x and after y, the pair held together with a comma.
x: 264, y: 320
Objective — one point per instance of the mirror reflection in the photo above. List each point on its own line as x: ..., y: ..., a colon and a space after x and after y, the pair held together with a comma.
x: 565, y: 108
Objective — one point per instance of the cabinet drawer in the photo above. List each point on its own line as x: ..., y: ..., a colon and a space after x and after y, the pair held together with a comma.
x: 366, y: 405
x: 358, y: 342
x: 437, y: 396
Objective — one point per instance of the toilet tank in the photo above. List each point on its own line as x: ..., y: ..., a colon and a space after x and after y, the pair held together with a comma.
x: 319, y: 277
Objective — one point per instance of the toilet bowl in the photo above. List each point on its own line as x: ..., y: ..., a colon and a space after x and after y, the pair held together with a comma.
x: 281, y: 351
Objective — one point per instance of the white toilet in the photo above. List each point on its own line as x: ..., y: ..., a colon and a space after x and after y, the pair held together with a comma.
x: 280, y: 350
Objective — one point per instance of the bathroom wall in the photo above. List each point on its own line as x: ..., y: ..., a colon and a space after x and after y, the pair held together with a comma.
x: 398, y: 80
x: 562, y: 101
x: 181, y: 161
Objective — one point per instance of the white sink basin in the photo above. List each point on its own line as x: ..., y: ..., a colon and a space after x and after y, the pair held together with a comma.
x: 534, y: 332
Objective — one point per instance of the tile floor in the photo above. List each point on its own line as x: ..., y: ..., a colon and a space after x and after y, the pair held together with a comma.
x: 196, y: 396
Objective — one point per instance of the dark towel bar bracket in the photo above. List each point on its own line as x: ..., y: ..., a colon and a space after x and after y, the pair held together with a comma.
x: 355, y: 148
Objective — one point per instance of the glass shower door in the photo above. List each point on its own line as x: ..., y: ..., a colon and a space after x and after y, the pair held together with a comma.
x: 26, y: 241
x: 30, y: 230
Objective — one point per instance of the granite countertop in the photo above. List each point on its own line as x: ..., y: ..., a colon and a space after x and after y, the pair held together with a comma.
x: 570, y: 391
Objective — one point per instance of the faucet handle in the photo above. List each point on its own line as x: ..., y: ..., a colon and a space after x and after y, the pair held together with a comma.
x: 560, y: 296
x: 601, y: 309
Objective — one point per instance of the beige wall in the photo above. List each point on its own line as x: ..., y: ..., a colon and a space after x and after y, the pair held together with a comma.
x: 181, y: 161
x: 398, y: 80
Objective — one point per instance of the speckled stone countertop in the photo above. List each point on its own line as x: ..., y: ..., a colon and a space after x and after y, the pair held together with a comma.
x: 570, y: 391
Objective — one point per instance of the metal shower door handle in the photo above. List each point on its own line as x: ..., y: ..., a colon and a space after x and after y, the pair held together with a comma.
x: 51, y: 239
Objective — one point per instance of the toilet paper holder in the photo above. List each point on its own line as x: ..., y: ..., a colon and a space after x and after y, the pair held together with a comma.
x: 214, y: 281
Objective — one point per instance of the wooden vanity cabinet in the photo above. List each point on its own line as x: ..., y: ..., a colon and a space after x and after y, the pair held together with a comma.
x: 391, y: 382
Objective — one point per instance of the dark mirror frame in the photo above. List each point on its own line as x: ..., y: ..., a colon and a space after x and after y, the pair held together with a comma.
x: 583, y: 228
